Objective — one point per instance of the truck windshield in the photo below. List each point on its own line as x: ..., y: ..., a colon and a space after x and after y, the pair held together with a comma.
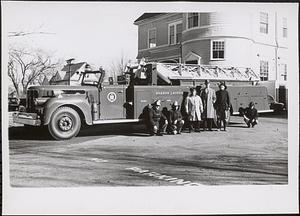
x: 92, y: 78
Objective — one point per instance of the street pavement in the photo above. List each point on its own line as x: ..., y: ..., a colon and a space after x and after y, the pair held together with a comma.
x: 122, y: 155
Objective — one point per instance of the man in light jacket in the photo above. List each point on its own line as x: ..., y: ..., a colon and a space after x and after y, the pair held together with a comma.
x: 208, y: 96
x: 194, y: 108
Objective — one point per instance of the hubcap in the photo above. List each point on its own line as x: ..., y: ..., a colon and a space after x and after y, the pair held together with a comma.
x: 65, y: 123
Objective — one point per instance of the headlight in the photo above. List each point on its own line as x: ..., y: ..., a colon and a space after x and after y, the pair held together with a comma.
x: 58, y: 93
x: 39, y: 101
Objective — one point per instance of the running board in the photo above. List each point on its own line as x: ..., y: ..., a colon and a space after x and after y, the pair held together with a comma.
x: 265, y: 111
x: 114, y: 121
x: 259, y: 111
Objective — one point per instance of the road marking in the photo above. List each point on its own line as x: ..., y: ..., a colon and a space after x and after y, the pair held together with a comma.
x: 162, y: 177
x: 99, y: 160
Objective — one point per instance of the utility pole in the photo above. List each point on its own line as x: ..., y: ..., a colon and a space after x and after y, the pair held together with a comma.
x: 180, y: 46
x: 69, y: 62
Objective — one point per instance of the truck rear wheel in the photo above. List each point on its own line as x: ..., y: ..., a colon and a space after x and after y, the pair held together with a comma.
x: 65, y: 123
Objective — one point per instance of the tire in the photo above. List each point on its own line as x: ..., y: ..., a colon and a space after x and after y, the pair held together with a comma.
x: 65, y: 123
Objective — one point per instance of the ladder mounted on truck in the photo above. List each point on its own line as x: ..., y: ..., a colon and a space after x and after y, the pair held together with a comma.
x: 199, y: 72
x: 178, y: 74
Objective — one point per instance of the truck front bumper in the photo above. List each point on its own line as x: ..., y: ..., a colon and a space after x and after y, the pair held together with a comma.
x: 26, y: 118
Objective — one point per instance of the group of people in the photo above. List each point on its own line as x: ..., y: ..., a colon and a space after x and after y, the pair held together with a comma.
x: 196, y: 108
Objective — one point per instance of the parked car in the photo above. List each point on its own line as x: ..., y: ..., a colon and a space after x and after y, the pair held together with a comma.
x: 13, y: 104
x: 274, y: 105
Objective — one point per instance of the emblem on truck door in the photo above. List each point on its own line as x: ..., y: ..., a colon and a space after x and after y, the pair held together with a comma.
x: 111, y: 97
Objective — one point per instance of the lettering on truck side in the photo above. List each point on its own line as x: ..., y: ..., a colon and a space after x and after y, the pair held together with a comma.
x: 177, y: 93
x: 169, y: 93
x: 162, y: 93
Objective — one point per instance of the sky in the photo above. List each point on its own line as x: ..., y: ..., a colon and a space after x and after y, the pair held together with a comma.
x: 98, y: 33
x: 95, y: 32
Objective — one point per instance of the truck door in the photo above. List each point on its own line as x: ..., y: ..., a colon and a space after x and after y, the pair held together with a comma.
x: 112, y: 100
x: 239, y: 97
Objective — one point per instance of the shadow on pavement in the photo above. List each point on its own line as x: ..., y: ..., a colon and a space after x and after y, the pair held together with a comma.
x: 28, y: 133
x: 38, y: 133
x: 113, y: 129
x: 41, y: 133
x: 281, y: 115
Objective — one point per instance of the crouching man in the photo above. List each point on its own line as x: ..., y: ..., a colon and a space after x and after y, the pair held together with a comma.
x: 156, y: 122
x: 250, y: 115
x: 175, y: 121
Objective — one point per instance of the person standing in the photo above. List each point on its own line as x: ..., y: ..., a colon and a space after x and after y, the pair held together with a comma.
x: 208, y: 96
x: 250, y: 115
x: 222, y: 105
x: 183, y: 110
x: 194, y: 108
x: 156, y: 122
x: 175, y: 121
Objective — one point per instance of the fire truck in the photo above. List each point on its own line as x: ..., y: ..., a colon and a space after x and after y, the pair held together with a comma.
x: 64, y: 109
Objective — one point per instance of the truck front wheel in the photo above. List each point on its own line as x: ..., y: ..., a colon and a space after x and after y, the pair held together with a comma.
x: 65, y: 123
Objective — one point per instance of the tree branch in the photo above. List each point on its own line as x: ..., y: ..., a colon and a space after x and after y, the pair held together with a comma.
x: 26, y: 67
x: 21, y: 33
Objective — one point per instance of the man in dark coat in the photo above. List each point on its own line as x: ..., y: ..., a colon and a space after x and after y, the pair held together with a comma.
x: 250, y: 115
x: 222, y: 105
x: 156, y: 121
x: 175, y: 121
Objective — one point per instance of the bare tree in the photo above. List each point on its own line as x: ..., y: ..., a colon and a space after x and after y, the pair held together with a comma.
x: 24, y: 33
x: 117, y: 66
x: 28, y: 68
x: 21, y: 33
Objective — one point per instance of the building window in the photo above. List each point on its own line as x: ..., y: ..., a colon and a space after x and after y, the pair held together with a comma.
x: 172, y: 34
x: 178, y: 32
x: 264, y: 71
x: 284, y: 72
x: 175, y: 33
x: 193, y: 20
x: 284, y: 27
x: 264, y: 23
x: 218, y: 49
x: 152, y: 38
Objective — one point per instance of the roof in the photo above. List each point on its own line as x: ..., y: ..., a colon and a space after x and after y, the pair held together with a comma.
x: 74, y: 67
x: 147, y: 16
x: 63, y: 74
x: 45, y: 81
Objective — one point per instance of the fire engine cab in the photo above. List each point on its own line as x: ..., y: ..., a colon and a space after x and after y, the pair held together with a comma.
x: 63, y: 109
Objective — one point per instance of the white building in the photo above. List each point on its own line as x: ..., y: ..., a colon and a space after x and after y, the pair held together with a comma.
x: 255, y: 39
